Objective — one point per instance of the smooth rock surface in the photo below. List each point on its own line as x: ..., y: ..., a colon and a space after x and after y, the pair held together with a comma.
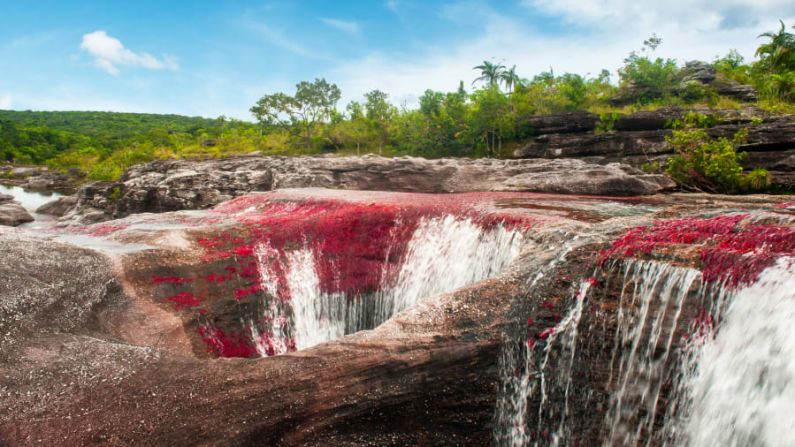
x: 13, y: 214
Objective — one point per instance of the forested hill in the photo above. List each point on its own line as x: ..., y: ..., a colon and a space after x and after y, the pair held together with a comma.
x: 108, y: 126
x: 103, y: 144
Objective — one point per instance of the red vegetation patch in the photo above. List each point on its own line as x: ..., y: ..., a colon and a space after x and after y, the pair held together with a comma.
x: 733, y: 249
x: 104, y: 229
x: 356, y: 247
x: 227, y: 345
x: 184, y: 300
x: 170, y: 279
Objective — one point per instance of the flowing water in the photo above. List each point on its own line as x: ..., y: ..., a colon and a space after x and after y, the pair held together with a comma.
x: 30, y: 200
x: 443, y: 255
x: 742, y: 389
x: 690, y: 365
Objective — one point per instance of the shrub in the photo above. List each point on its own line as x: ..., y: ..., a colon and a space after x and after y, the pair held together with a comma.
x: 712, y: 164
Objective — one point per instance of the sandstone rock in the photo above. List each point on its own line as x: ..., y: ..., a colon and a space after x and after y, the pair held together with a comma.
x: 561, y: 123
x: 640, y: 137
x: 6, y: 198
x: 58, y: 207
x: 13, y: 214
x: 181, y: 184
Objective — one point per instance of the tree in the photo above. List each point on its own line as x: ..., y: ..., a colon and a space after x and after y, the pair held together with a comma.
x: 778, y: 55
x: 644, y: 79
x: 510, y: 79
x: 431, y: 102
x: 492, y: 120
x: 490, y: 73
x: 313, y: 103
x: 379, y: 112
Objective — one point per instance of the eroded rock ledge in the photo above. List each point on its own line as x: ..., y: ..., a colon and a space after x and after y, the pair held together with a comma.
x: 639, y: 137
x: 183, y: 184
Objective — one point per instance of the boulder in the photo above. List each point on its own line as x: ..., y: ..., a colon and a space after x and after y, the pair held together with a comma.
x: 13, y: 214
x: 58, y: 207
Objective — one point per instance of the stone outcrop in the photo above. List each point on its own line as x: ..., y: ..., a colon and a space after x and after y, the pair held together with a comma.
x: 639, y: 137
x: 58, y: 207
x: 93, y: 351
x: 182, y: 184
x: 38, y: 178
x: 12, y: 213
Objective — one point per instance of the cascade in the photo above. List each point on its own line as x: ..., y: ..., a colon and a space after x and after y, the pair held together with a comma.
x: 689, y: 363
x: 741, y: 389
x: 443, y: 254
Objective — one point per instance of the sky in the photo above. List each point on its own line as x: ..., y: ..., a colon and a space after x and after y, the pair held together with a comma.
x: 213, y: 58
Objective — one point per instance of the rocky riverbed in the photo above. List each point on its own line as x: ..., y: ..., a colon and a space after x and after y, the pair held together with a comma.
x: 162, y: 328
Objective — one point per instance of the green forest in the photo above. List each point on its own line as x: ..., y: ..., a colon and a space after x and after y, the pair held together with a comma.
x: 485, y: 116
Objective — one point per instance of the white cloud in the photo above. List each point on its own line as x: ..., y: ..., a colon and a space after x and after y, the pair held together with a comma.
x: 5, y: 101
x: 687, y: 14
x: 109, y: 53
x: 595, y: 35
x: 346, y: 26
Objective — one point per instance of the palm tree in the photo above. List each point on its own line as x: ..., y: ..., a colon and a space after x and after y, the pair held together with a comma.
x: 779, y: 53
x: 510, y: 78
x: 490, y: 72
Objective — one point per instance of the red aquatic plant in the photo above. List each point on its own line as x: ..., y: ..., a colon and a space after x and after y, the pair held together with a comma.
x: 731, y: 249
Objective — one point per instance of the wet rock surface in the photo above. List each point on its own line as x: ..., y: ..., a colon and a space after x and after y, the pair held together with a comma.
x: 96, y: 353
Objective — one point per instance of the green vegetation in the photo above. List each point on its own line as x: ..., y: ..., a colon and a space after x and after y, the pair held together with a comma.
x: 712, y: 164
x: 488, y: 120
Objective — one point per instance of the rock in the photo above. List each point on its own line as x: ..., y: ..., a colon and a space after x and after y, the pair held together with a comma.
x: 731, y: 88
x: 6, y: 198
x: 58, y: 207
x: 104, y: 348
x: 698, y: 71
x: 182, y: 184
x: 639, y: 137
x: 13, y: 214
x: 560, y: 123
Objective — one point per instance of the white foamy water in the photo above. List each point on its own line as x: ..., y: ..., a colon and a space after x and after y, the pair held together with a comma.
x: 743, y: 390
x: 644, y: 338
x: 443, y: 255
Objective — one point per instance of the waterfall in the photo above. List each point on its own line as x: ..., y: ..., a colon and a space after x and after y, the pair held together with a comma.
x: 676, y: 361
x: 742, y: 391
x: 442, y: 255
x: 647, y: 320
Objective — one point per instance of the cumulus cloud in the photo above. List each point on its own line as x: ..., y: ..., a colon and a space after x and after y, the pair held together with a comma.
x: 5, y: 101
x: 109, y: 54
x: 345, y: 26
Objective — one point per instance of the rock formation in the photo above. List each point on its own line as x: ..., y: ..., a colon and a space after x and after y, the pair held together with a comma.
x: 12, y: 213
x: 639, y: 137
x: 182, y: 184
x: 118, y: 344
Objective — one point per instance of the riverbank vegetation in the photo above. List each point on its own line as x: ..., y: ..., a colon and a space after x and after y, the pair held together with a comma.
x: 487, y: 117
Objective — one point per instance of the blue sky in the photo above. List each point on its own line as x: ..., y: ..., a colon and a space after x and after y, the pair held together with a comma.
x: 211, y: 58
